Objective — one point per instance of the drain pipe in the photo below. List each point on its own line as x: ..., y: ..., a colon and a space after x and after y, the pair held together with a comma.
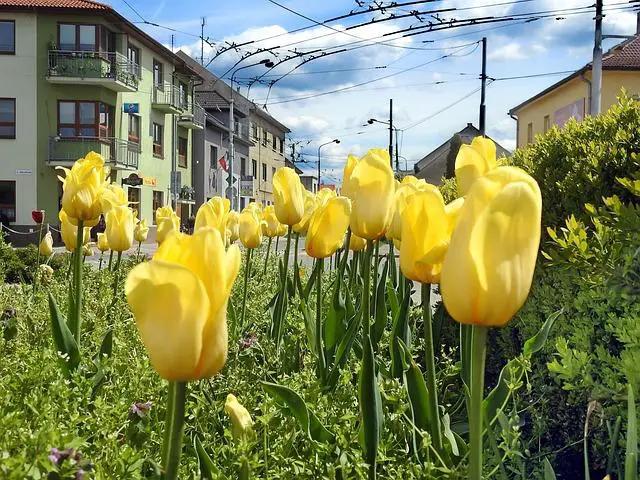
x: 589, y: 89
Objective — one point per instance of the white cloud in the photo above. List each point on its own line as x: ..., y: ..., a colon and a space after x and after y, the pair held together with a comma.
x: 306, y: 124
x: 509, y: 52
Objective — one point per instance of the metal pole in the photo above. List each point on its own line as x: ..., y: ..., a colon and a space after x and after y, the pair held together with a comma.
x: 397, y: 160
x: 318, y: 168
x: 391, y: 132
x: 596, y: 80
x: 202, y: 42
x: 174, y: 174
x: 483, y: 78
x: 230, y: 195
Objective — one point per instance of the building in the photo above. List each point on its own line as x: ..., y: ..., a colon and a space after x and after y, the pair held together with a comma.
x: 258, y: 140
x: 441, y: 162
x: 309, y: 181
x: 571, y: 96
x: 76, y: 76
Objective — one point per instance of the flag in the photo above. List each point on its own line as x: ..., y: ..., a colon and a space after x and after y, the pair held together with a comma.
x: 223, y: 164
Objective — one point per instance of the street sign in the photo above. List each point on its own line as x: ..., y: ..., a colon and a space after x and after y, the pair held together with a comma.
x: 246, y: 186
x: 24, y: 171
x: 131, y: 108
x: 132, y: 180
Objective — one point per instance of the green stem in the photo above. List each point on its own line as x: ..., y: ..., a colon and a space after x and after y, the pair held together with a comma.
x: 110, y: 259
x: 319, y: 345
x: 283, y: 303
x: 366, y: 312
x: 374, y: 294
x: 296, y: 269
x: 392, y: 265
x: 277, y: 243
x: 77, y: 282
x: 266, y: 258
x: 429, y: 361
x: 478, y: 351
x: 174, y: 430
x: 101, y: 257
x: 138, y: 252
x: 116, y: 281
x: 37, y: 272
x: 247, y: 268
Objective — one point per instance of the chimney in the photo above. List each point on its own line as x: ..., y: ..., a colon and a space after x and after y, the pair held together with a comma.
x: 638, y: 23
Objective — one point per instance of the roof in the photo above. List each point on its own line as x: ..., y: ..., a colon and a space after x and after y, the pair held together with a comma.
x: 433, y: 166
x: 104, y: 10
x: 624, y: 56
x: 212, y: 100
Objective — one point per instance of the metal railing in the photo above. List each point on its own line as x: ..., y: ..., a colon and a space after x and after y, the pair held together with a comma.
x: 115, y: 151
x: 104, y: 65
x: 241, y: 130
x: 194, y: 113
x: 169, y: 94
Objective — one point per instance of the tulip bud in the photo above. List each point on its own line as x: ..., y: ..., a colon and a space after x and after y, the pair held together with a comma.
x: 68, y: 231
x: 309, y: 207
x: 112, y: 196
x: 356, y: 243
x: 453, y: 209
x: 103, y: 243
x: 141, y: 231
x: 488, y: 270
x: 87, y: 250
x: 250, y: 228
x: 352, y: 160
x: 213, y: 214
x: 324, y: 195
x: 327, y: 227
x: 288, y: 196
x: 271, y: 224
x: 408, y: 187
x: 168, y: 223
x: 46, y: 245
x: 120, y: 224
x: 233, y: 226
x: 473, y: 161
x: 240, y: 417
x: 179, y: 301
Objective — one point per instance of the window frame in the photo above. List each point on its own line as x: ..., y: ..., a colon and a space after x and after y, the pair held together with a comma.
x: 183, y: 141
x: 13, y: 51
x: 547, y: 123
x: 134, y: 137
x: 153, y: 202
x: 158, y: 147
x: 158, y: 66
x: 264, y: 172
x: 96, y: 40
x: 213, y: 152
x: 15, y: 198
x: 136, y: 207
x: 254, y: 168
x: 529, y: 133
x: 9, y: 124
x: 274, y: 142
x: 136, y: 50
x: 77, y: 126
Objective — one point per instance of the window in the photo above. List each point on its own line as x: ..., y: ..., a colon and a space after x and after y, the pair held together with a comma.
x: 106, y: 120
x: 254, y: 168
x: 134, y: 128
x: 133, y: 197
x: 158, y: 201
x: 7, y: 118
x: 265, y: 137
x: 547, y: 123
x: 7, y: 201
x: 7, y: 37
x: 254, y: 130
x: 274, y: 140
x: 264, y: 172
x: 158, y: 73
x: 78, y: 37
x: 182, y: 152
x: 213, y: 157
x: 243, y: 166
x: 157, y: 140
x: 133, y: 54
x: 280, y: 145
x: 273, y: 171
x: 529, y: 133
x: 183, y: 98
x: 78, y: 119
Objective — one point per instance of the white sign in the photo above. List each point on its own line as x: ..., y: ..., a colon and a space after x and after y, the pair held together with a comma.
x: 24, y: 171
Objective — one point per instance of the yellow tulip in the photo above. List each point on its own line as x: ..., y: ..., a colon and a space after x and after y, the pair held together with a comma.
x: 453, y: 209
x: 120, y: 224
x: 324, y: 195
x: 409, y: 186
x: 103, y: 243
x: 250, y: 228
x: 240, y: 417
x: 488, y: 270
x: 327, y: 227
x: 141, y: 231
x: 87, y: 250
x: 474, y: 161
x: 179, y: 300
x: 309, y: 207
x: 425, y: 236
x: 82, y: 189
x: 233, y: 226
x: 271, y: 224
x: 282, y: 230
x: 68, y: 231
x: 46, y: 245
x: 356, y: 243
x: 112, y: 196
x: 288, y: 196
x: 352, y: 160
x: 371, y: 189
x: 213, y: 214
x: 168, y: 223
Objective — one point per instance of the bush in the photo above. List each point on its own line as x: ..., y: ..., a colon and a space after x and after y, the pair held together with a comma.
x: 18, y: 264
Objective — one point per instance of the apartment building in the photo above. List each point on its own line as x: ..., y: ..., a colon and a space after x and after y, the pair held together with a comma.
x: 76, y: 76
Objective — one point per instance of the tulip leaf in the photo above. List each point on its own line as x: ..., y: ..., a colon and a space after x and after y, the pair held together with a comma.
x: 335, y: 324
x: 99, y: 378
x: 399, y: 331
x: 437, y: 323
x: 465, y: 355
x: 535, y: 343
x: 381, y: 307
x: 311, y: 282
x: 305, y: 417
x: 309, y: 324
x: 106, y: 346
x: 392, y: 298
x: 208, y: 470
x: 370, y: 404
x: 63, y: 338
x: 416, y: 389
x: 631, y: 457
x: 344, y: 349
x: 549, y: 474
x: 449, y: 435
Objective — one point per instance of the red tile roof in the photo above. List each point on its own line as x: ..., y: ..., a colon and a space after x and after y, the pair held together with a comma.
x: 624, y: 55
x: 71, y: 4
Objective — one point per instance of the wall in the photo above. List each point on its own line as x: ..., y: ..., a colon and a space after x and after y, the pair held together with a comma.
x: 18, y: 80
x: 265, y: 154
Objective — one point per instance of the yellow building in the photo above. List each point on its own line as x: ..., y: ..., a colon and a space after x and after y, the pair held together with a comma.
x: 571, y: 96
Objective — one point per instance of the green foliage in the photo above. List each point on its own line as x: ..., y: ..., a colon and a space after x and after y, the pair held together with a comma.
x: 17, y: 265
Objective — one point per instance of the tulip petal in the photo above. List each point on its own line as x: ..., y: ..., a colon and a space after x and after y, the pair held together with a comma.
x: 327, y: 227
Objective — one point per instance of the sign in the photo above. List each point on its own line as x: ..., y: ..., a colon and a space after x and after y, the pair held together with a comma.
x: 131, y: 108
x: 132, y: 180
x: 150, y: 181
x: 330, y: 186
x: 573, y: 110
x: 24, y: 171
x: 176, y: 181
x: 246, y: 186
x: 223, y: 164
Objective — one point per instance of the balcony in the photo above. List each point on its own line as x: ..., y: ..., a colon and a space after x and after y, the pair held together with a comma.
x: 241, y: 130
x: 111, y: 70
x: 117, y: 153
x: 193, y: 118
x: 248, y: 186
x: 169, y: 98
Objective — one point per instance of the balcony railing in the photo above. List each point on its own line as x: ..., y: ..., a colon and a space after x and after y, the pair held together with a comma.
x: 169, y: 97
x: 116, y: 152
x: 100, y: 67
x: 193, y: 117
x: 241, y: 130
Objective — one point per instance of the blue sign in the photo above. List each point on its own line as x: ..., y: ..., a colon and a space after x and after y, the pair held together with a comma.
x: 131, y: 108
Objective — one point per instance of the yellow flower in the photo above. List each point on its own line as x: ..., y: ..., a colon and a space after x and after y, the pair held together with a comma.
x: 112, y: 196
x: 213, y: 214
x: 453, y: 209
x: 233, y: 226
x: 141, y: 231
x: 324, y: 195
x: 425, y: 236
x: 371, y: 189
x: 250, y: 228
x: 309, y: 207
x: 87, y: 250
x: 356, y: 243
x: 179, y: 300
x: 474, y: 161
x: 103, y: 243
x: 240, y: 417
x: 282, y: 230
x: 288, y: 196
x: 168, y: 223
x: 327, y: 227
x: 120, y: 224
x: 488, y: 270
x: 352, y: 160
x: 409, y: 186
x: 68, y: 231
x: 271, y: 224
x: 82, y: 189
x: 46, y: 245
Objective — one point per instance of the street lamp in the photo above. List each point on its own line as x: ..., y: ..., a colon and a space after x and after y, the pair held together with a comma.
x: 371, y: 121
x: 336, y: 141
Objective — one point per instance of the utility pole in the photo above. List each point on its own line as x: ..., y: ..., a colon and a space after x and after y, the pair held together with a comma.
x: 172, y: 43
x: 397, y: 160
x: 483, y: 78
x: 391, y: 132
x: 230, y: 195
x: 596, y: 73
x: 202, y: 41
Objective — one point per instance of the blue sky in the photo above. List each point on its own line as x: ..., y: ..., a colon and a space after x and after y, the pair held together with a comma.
x: 421, y: 94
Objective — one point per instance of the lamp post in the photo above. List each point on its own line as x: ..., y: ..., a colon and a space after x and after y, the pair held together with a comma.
x: 336, y: 141
x: 371, y: 121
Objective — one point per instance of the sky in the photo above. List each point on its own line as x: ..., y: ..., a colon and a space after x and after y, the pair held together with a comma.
x: 432, y: 77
